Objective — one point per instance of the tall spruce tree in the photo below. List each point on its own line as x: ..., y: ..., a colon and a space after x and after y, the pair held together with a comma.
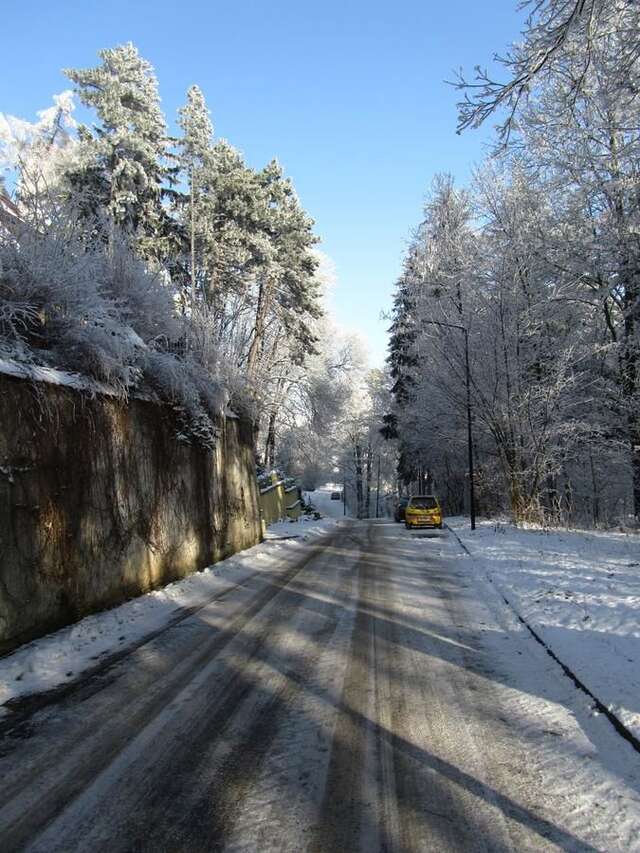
x: 287, y: 287
x: 124, y: 164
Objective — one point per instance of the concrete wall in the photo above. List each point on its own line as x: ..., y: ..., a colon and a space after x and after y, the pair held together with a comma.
x: 99, y: 502
x: 278, y: 503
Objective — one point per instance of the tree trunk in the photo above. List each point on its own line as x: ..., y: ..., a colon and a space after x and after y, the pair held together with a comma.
x: 257, y: 341
x: 193, y: 241
x: 429, y: 482
x: 629, y: 365
x: 634, y: 430
x: 519, y: 508
x: 568, y: 500
x: 552, y: 499
x: 629, y: 371
x: 629, y: 354
x: 595, y: 497
x: 270, y: 443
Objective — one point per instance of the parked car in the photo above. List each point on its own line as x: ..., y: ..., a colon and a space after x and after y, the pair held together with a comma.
x: 401, y: 505
x: 423, y: 511
x: 336, y: 496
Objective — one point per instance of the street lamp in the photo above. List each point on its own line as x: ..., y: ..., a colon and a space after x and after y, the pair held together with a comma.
x: 472, y: 494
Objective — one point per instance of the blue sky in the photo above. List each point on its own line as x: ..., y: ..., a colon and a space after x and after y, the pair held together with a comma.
x: 349, y: 96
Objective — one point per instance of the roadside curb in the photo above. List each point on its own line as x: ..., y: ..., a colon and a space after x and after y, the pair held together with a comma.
x: 598, y: 704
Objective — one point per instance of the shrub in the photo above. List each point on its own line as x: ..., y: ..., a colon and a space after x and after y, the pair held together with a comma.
x: 72, y: 299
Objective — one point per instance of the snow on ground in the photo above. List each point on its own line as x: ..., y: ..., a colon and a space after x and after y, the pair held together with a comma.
x: 320, y: 499
x: 580, y: 592
x: 52, y: 376
x: 538, y: 720
x: 60, y: 657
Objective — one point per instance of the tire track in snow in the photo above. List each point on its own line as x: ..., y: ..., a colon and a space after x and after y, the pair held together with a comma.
x: 35, y: 800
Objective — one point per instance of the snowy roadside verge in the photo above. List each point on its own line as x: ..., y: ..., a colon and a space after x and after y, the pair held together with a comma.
x: 580, y: 592
x: 59, y: 658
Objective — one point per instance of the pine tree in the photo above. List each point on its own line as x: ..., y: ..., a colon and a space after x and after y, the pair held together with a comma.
x: 286, y: 284
x: 125, y: 153
x: 240, y: 246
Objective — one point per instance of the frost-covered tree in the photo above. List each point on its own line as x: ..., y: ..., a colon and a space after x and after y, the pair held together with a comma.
x: 203, y: 270
x: 124, y: 167
x: 36, y: 155
x: 434, y: 288
x: 562, y: 39
x: 363, y: 450
x: 287, y: 293
x: 588, y: 161
x: 236, y: 245
x: 572, y: 122
x: 495, y: 287
x: 302, y: 436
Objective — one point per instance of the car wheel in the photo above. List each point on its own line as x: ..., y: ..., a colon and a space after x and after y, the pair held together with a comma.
x: 407, y: 526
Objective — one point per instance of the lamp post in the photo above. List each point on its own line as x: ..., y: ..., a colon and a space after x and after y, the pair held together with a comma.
x: 472, y: 493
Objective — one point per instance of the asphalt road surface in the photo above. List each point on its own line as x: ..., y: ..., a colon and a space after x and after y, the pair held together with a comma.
x: 360, y: 698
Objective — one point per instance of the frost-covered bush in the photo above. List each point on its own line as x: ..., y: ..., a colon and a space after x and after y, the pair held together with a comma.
x: 219, y: 373
x: 54, y: 307
x: 88, y: 304
x: 144, y: 298
x: 197, y: 399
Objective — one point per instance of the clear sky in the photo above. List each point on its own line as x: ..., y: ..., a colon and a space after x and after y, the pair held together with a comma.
x: 349, y: 96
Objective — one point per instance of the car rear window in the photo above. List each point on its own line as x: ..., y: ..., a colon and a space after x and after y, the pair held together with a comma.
x: 424, y: 503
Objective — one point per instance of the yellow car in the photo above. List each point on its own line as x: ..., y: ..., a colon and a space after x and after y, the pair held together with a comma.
x: 423, y: 511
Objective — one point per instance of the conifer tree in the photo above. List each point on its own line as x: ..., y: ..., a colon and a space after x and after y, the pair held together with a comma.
x: 241, y: 245
x: 286, y: 284
x: 125, y: 151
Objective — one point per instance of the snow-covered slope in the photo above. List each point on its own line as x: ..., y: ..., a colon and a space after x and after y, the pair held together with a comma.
x: 580, y: 592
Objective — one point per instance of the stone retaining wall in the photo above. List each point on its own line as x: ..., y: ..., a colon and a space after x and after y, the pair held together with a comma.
x: 99, y: 502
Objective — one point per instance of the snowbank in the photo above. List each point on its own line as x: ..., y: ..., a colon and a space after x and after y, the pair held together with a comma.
x: 580, y: 592
x: 52, y: 376
x: 60, y: 657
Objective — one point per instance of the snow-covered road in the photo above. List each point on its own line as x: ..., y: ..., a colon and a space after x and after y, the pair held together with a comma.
x: 320, y: 499
x: 370, y: 692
